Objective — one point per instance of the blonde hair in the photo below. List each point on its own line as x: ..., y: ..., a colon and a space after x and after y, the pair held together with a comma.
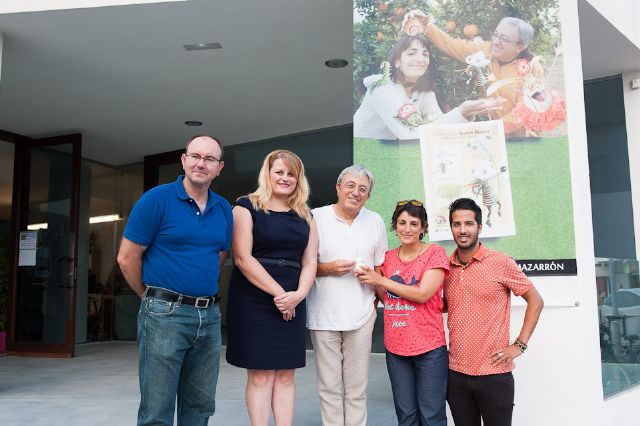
x: 297, y: 200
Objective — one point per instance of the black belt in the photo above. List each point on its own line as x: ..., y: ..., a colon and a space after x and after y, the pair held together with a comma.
x: 278, y: 262
x: 170, y: 296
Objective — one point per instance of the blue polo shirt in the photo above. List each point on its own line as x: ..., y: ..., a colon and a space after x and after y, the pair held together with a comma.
x: 183, y: 244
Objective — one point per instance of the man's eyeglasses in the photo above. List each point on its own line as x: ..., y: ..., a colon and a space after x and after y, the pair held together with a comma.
x: 209, y: 161
x: 362, y: 190
x: 412, y: 202
x: 503, y: 38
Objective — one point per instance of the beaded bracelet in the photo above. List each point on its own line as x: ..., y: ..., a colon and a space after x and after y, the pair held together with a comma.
x: 520, y: 345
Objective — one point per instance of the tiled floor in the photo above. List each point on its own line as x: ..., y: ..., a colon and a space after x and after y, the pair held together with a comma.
x: 100, y: 387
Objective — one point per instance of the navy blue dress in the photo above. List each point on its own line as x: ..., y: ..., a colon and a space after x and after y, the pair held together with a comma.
x: 258, y: 337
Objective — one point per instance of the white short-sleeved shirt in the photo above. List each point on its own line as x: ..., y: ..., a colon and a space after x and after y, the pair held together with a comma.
x: 341, y: 303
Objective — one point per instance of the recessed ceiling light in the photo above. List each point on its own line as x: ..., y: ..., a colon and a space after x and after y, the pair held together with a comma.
x: 203, y: 46
x: 336, y: 63
x: 193, y: 123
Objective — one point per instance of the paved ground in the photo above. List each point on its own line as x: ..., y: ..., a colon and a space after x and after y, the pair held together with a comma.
x: 100, y: 387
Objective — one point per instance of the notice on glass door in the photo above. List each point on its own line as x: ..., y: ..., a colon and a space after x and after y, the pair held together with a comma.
x: 28, y: 246
x: 28, y: 240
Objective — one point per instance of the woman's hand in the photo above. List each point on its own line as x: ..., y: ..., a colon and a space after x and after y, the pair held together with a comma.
x: 367, y: 276
x: 470, y: 109
x: 289, y: 315
x: 288, y: 301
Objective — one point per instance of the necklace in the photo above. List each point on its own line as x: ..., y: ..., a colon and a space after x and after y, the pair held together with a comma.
x: 412, y: 257
x: 460, y: 260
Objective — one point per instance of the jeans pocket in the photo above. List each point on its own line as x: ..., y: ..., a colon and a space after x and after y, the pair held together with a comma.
x: 159, y: 307
x: 217, y: 312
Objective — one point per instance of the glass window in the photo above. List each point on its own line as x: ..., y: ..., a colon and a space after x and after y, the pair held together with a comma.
x: 618, y: 287
x: 111, y: 306
x: 617, y: 283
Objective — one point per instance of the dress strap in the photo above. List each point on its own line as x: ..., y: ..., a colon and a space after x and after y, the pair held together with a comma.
x: 245, y: 202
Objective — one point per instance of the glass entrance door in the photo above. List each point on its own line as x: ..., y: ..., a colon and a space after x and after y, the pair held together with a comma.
x: 43, y: 296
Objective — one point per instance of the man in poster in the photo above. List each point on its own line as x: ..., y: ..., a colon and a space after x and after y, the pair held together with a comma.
x: 506, y: 57
x: 478, y: 293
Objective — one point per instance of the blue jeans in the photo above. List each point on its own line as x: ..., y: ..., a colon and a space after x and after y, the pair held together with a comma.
x: 179, y: 354
x: 419, y: 385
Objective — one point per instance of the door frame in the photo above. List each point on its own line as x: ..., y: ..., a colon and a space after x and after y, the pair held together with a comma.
x: 152, y: 164
x: 20, y: 200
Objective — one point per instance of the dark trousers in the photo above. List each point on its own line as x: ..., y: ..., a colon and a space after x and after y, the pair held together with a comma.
x: 489, y: 397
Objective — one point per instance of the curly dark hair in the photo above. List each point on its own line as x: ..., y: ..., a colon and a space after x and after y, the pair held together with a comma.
x: 417, y: 211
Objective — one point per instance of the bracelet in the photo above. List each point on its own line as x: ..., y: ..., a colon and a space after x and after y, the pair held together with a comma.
x: 522, y: 346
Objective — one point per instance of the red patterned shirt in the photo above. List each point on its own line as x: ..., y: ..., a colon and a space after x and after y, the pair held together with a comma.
x: 479, y: 303
x: 412, y: 328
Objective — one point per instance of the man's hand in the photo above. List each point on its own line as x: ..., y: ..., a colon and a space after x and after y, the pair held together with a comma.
x: 412, y: 17
x: 336, y: 267
x: 505, y: 355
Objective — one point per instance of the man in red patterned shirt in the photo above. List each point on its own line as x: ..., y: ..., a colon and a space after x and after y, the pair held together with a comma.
x: 478, y: 292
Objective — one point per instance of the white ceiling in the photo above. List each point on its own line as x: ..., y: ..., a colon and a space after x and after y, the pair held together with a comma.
x: 120, y: 76
x: 605, y: 51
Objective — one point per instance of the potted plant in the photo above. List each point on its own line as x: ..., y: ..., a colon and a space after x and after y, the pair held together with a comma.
x: 4, y: 289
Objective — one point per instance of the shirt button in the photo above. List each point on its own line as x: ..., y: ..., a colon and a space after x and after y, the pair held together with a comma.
x: 190, y: 200
x: 198, y: 213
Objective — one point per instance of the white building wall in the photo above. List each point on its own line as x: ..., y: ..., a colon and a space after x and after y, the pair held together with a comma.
x: 623, y: 14
x: 558, y: 380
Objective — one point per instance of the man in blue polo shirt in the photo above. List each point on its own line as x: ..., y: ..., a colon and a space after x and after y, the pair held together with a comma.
x: 175, y: 242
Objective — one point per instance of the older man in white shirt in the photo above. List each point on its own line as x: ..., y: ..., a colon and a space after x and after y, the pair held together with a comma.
x: 341, y: 311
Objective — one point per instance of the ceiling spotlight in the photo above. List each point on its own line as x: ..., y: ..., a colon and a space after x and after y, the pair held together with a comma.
x: 203, y: 46
x: 336, y: 63
x: 193, y: 123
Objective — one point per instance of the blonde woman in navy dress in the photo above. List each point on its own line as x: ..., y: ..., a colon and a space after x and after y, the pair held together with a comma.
x: 275, y: 250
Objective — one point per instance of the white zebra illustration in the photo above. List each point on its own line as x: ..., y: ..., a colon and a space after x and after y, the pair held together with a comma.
x: 482, y: 173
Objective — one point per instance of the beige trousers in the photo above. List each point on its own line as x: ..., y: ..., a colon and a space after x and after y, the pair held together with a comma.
x: 342, y: 363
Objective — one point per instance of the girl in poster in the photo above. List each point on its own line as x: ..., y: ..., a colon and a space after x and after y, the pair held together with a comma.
x: 402, y: 97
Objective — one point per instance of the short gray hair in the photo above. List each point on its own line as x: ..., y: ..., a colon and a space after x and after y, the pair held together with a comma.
x: 358, y: 170
x: 524, y: 29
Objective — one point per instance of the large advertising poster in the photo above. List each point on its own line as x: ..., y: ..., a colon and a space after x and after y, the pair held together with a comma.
x: 465, y: 98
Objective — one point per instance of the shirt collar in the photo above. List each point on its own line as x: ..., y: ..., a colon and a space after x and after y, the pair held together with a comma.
x: 182, y: 193
x: 477, y: 256
x: 335, y: 214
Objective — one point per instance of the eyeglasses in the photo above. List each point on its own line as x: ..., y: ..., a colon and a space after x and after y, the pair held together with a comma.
x: 503, y: 38
x: 209, y: 161
x: 412, y: 202
x: 362, y: 190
